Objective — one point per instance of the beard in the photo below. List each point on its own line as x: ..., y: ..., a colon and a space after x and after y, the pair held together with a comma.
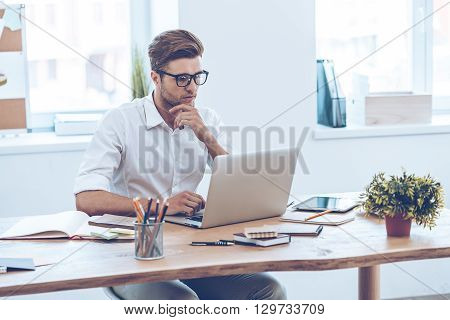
x: 170, y: 100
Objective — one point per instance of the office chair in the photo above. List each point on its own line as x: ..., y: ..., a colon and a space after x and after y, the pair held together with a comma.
x: 111, y: 294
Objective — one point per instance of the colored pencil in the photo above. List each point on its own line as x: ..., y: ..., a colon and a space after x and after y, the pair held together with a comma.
x: 157, y: 210
x: 136, y: 209
x: 166, y: 206
x: 318, y: 214
x: 140, y: 210
x: 149, y: 205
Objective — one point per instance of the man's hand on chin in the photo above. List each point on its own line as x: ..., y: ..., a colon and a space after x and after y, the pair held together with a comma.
x: 186, y: 201
x: 188, y: 115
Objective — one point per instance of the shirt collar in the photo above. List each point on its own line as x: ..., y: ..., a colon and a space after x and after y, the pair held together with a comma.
x: 153, y: 118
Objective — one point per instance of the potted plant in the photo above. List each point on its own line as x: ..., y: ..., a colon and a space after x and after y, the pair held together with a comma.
x: 139, y: 81
x: 401, y: 199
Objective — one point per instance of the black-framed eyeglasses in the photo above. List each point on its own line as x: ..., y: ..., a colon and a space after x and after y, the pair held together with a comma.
x: 184, y: 79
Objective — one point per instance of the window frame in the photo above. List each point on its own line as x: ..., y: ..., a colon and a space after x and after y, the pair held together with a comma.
x: 422, y: 60
x: 422, y: 56
x: 140, y: 29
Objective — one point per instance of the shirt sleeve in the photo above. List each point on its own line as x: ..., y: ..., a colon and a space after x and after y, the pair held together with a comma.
x: 219, y: 131
x: 103, y: 155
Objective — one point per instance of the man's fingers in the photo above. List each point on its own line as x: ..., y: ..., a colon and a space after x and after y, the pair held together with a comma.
x: 183, y: 116
x: 189, y: 211
x: 199, y: 197
x: 181, y: 107
x: 184, y: 123
x: 191, y: 204
x: 194, y: 199
x: 195, y: 195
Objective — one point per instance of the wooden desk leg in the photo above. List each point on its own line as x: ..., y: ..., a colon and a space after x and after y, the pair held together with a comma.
x: 369, y: 283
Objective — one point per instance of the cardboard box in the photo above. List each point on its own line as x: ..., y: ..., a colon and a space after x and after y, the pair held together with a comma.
x: 398, y: 109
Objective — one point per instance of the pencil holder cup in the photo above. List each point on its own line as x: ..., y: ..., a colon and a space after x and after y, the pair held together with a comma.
x: 148, y: 240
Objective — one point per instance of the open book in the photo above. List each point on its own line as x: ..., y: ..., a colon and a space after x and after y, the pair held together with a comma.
x: 68, y: 224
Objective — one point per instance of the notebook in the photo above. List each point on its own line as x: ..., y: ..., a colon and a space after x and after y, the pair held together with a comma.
x: 329, y: 219
x: 67, y: 224
x: 300, y: 229
x: 261, y: 232
x: 240, y: 238
x: 272, y: 231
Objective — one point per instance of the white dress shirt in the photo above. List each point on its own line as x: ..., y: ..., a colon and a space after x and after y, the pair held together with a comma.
x: 135, y: 153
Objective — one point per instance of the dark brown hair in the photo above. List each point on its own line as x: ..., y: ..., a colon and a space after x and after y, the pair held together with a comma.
x: 172, y: 45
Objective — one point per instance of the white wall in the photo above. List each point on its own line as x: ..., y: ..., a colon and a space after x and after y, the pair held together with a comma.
x: 37, y: 183
x: 275, y: 43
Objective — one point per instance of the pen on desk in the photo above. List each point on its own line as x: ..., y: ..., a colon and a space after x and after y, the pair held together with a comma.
x: 149, y: 206
x: 290, y: 204
x: 318, y: 214
x: 211, y: 243
x: 230, y: 241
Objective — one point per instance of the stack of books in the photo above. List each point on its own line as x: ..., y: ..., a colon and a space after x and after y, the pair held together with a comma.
x: 240, y: 238
x: 265, y: 236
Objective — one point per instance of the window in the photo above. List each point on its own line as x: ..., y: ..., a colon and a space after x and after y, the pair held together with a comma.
x: 349, y: 31
x: 68, y: 73
x: 441, y: 49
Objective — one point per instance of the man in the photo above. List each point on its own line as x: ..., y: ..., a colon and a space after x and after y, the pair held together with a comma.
x: 159, y: 146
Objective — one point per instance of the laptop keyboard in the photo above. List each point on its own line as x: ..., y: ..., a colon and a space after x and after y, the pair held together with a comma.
x: 196, y: 217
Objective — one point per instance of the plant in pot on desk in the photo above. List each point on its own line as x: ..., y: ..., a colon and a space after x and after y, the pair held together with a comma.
x: 401, y: 199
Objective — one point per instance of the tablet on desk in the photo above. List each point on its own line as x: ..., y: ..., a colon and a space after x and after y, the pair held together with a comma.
x: 326, y: 203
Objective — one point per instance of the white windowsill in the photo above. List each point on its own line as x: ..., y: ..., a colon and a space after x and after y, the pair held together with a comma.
x: 42, y: 143
x: 49, y: 142
x: 440, y: 125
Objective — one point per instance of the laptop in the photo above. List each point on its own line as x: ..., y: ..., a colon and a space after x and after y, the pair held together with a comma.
x: 245, y: 187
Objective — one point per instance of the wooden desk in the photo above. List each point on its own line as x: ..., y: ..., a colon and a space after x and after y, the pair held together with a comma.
x: 82, y: 264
